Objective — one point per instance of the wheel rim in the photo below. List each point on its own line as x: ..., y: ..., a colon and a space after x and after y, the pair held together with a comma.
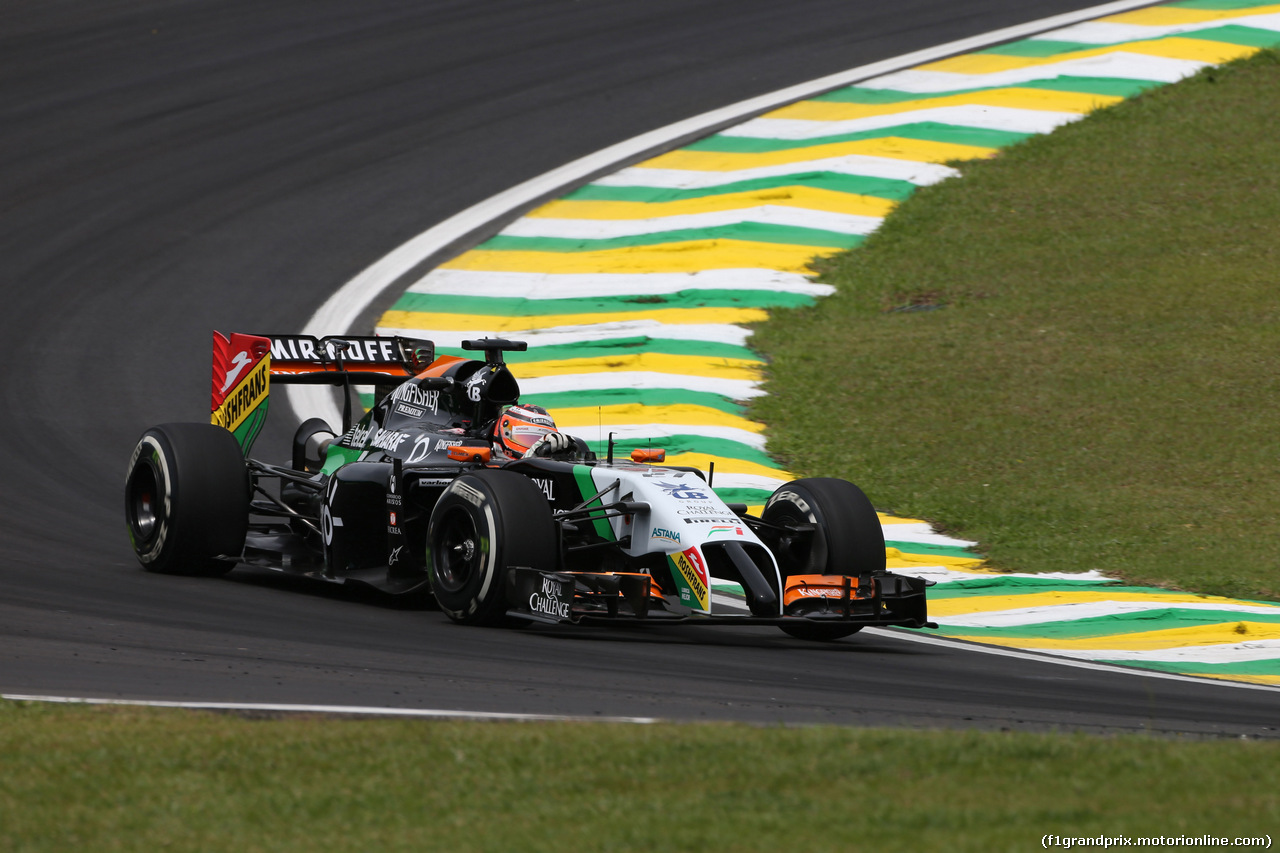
x: 457, y: 554
x: 145, y: 508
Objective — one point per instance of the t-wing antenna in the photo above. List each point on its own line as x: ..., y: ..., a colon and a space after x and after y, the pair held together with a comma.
x: 495, y: 347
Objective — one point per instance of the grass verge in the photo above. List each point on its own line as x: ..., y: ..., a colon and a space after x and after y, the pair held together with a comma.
x: 144, y: 779
x: 1072, y: 353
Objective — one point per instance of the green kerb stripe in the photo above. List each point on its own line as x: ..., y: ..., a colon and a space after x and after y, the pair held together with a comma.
x: 1036, y: 48
x: 1253, y: 667
x: 642, y: 396
x: 1114, y: 86
x: 1117, y: 625
x: 1228, y: 33
x: 853, y: 184
x: 750, y: 497
x: 619, y: 347
x: 1217, y: 5
x: 754, y: 232
x: 1001, y: 585
x: 621, y: 396
x: 1236, y: 34
x: 516, y: 307
x: 928, y: 131
x: 930, y: 550
x: 674, y: 444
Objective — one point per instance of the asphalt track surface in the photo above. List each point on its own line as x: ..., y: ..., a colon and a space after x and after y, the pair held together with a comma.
x: 169, y: 168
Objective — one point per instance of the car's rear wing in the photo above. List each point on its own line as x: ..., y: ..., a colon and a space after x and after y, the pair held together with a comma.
x: 244, y: 366
x: 332, y: 360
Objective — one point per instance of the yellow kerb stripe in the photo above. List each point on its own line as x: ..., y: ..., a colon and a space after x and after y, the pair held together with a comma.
x: 681, y: 365
x: 1013, y: 97
x: 1252, y: 679
x: 637, y: 413
x: 993, y: 603
x: 808, y: 198
x: 687, y: 256
x: 1201, y: 635
x: 893, y: 519
x: 1169, y: 16
x: 1197, y: 50
x: 903, y: 559
x: 726, y: 464
x: 491, y: 323
x: 894, y: 147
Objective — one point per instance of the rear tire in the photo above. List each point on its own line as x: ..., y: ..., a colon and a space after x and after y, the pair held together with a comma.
x: 186, y: 500
x: 484, y: 522
x: 848, y: 539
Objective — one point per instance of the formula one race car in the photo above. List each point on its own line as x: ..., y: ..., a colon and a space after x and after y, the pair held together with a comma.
x: 449, y: 485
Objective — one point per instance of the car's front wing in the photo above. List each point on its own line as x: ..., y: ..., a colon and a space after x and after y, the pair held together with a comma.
x: 592, y: 598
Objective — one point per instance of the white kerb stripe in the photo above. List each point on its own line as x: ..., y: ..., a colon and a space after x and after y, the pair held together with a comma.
x: 1129, y: 66
x: 733, y: 389
x: 530, y: 285
x: 889, y: 168
x: 560, y: 335
x: 922, y: 534
x: 1255, y: 650
x: 1105, y: 32
x: 596, y: 229
x: 976, y: 116
x: 641, y: 432
x: 1089, y: 610
x: 730, y: 480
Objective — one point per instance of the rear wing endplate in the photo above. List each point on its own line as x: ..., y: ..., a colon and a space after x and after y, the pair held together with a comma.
x: 244, y: 366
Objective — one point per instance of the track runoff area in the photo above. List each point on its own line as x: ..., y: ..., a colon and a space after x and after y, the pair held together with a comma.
x: 633, y: 291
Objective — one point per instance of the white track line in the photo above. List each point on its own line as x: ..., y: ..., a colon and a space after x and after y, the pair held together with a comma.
x: 343, y: 309
x: 481, y: 716
x: 1049, y: 657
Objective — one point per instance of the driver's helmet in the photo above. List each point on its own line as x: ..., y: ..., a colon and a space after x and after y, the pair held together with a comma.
x: 519, y: 428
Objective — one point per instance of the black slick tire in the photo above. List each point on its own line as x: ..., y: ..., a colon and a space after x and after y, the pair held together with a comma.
x: 484, y: 522
x: 186, y: 499
x: 848, y: 539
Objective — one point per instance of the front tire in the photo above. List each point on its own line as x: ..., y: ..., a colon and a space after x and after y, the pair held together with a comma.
x: 847, y: 539
x: 484, y: 522
x: 186, y: 499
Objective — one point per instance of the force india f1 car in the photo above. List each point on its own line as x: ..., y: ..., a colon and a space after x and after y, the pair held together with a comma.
x: 430, y: 491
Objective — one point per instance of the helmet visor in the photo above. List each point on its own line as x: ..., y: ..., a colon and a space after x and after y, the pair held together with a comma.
x: 522, y: 436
